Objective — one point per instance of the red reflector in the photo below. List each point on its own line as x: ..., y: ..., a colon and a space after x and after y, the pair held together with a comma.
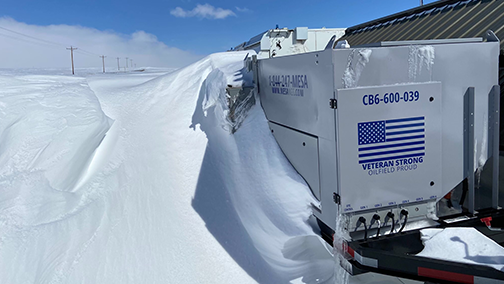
x: 445, y: 275
x: 351, y: 252
x: 487, y: 221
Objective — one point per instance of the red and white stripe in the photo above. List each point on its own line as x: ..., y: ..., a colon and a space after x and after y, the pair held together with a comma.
x: 429, y: 272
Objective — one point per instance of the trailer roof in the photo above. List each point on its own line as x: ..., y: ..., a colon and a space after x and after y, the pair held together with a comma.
x: 443, y: 19
x: 438, y: 20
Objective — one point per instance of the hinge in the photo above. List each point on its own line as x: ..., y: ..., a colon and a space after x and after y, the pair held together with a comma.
x: 333, y: 103
x: 336, y: 198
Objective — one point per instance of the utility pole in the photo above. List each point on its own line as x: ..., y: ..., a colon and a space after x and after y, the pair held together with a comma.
x: 71, y: 48
x: 126, y: 62
x: 131, y: 61
x: 421, y: 2
x: 118, y: 68
x: 103, y: 62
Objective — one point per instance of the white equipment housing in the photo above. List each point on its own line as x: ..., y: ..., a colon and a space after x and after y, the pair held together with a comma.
x: 280, y: 42
x: 385, y: 127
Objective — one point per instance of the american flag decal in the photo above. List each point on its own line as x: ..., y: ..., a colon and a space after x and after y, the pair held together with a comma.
x: 385, y: 140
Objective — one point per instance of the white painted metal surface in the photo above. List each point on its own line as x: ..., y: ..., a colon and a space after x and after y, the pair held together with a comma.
x: 296, y: 92
x: 280, y: 42
x: 389, y: 145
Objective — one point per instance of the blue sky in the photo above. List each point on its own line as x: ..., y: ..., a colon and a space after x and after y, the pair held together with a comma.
x: 198, y: 27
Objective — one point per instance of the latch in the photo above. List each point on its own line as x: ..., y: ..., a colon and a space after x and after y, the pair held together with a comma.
x: 336, y: 198
x: 333, y: 103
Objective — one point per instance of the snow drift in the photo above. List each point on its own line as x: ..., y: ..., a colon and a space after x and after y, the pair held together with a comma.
x: 120, y: 179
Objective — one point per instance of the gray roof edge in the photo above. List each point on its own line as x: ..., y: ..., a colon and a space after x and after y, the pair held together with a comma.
x: 421, y: 42
x: 402, y: 14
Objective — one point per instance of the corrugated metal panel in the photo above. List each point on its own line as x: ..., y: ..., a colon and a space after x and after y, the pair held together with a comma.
x: 442, y: 19
x: 468, y: 11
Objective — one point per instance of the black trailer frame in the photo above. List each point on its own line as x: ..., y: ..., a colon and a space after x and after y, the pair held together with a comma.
x: 396, y: 255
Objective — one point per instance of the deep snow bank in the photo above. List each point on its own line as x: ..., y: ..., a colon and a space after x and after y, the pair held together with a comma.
x: 50, y: 127
x: 167, y: 195
x: 245, y: 178
x: 164, y: 194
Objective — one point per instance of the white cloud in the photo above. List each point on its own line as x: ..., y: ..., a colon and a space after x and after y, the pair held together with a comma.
x: 243, y: 10
x: 18, y: 51
x: 206, y: 11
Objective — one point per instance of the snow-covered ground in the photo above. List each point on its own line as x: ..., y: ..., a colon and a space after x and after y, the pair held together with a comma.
x: 135, y: 178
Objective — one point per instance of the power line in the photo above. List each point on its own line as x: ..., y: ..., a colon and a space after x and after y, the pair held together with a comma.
x: 27, y: 40
x: 87, y: 53
x: 47, y: 43
x: 82, y: 51
x: 43, y: 40
x: 41, y: 43
x: 90, y: 52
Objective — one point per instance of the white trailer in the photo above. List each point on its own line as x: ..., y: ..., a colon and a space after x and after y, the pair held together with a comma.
x: 384, y: 132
